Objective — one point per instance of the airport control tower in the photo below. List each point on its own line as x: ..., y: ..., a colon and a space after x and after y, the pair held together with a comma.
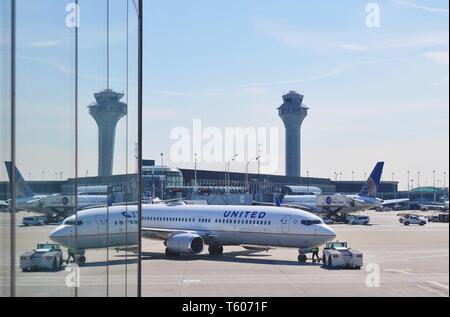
x: 293, y: 112
x: 107, y: 111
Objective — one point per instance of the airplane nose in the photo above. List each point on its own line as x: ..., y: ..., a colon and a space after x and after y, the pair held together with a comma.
x: 59, y: 234
x: 55, y: 234
x: 327, y: 233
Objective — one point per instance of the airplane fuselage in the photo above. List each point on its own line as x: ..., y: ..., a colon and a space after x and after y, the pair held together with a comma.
x: 226, y: 225
x: 357, y: 203
x: 38, y: 203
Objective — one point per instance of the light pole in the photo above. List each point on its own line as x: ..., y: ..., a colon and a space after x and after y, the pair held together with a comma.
x: 434, y: 184
x: 259, y: 159
x: 227, y: 170
x: 247, y: 185
x: 418, y: 185
x: 418, y: 179
x: 307, y: 182
x: 29, y: 176
x: 162, y: 179
x: 353, y: 176
x: 195, y: 169
x: 445, y: 185
x: 43, y: 175
x: 408, y: 180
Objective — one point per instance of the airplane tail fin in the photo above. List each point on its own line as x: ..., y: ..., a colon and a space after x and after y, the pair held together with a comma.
x: 278, y: 201
x: 370, y: 188
x: 22, y: 188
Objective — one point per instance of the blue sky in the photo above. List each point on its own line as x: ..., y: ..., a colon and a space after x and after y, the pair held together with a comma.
x: 374, y: 93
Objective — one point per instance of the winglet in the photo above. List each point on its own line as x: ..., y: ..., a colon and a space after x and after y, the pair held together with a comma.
x: 370, y: 188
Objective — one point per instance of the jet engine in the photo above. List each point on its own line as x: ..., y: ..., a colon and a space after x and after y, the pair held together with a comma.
x: 185, y: 243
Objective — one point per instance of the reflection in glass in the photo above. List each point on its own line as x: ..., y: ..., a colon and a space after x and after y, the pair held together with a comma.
x: 5, y: 146
x: 76, y: 129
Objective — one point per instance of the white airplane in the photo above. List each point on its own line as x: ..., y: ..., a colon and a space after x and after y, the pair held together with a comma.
x: 333, y: 204
x: 61, y: 205
x: 185, y: 229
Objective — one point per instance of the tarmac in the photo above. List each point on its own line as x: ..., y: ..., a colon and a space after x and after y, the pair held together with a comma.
x: 398, y: 261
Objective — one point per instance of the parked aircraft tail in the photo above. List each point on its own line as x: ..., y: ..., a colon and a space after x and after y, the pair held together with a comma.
x: 370, y: 188
x: 22, y: 188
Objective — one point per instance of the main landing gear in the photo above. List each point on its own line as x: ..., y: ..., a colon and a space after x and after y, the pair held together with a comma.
x: 302, y: 258
x: 79, y: 257
x: 215, y: 250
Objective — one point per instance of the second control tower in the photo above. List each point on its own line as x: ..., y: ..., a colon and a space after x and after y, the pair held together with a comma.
x: 107, y: 111
x: 293, y: 112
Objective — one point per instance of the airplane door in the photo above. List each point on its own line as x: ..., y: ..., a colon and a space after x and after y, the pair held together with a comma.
x: 285, y: 224
x: 101, y: 225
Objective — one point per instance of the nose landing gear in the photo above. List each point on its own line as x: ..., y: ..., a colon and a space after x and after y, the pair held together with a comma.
x: 302, y: 258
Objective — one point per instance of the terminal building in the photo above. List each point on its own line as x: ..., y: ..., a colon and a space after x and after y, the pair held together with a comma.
x: 167, y: 183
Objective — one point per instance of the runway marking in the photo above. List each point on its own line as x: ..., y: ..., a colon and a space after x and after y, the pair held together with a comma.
x: 432, y: 291
x: 439, y: 284
x: 192, y: 281
x: 411, y: 258
x: 404, y: 272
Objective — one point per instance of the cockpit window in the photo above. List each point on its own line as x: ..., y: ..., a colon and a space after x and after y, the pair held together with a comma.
x: 311, y: 222
x: 70, y: 222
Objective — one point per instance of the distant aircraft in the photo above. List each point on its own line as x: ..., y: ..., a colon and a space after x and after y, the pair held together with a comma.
x: 342, y: 204
x: 185, y: 229
x: 51, y: 205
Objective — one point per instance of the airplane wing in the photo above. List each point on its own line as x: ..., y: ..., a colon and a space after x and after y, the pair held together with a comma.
x: 359, y: 201
x: 304, y: 208
x: 394, y: 201
x: 259, y: 203
x: 164, y: 234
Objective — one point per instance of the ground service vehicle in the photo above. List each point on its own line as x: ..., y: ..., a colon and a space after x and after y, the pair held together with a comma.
x: 46, y: 256
x: 358, y: 220
x: 339, y: 255
x: 35, y: 221
x: 413, y: 220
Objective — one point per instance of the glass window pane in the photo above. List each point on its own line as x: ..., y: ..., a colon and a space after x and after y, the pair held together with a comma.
x: 45, y: 141
x: 75, y: 139
x: 5, y: 145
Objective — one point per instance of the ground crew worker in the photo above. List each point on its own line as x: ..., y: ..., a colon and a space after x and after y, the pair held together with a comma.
x: 72, y: 254
x: 315, y: 253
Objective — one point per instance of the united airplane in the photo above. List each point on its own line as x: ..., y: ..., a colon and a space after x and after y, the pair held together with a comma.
x: 332, y: 204
x: 186, y: 229
x: 61, y: 205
